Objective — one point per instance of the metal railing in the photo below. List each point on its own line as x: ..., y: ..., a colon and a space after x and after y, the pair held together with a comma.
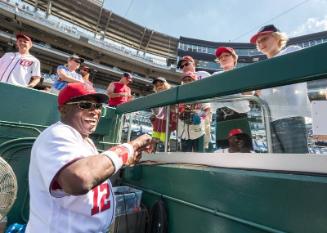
x: 263, y: 105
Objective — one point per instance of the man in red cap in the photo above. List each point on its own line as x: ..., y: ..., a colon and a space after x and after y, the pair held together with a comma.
x: 239, y: 142
x: 20, y: 68
x: 226, y: 57
x: 68, y: 178
x: 120, y: 92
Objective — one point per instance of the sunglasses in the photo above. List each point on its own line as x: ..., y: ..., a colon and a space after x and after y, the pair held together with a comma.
x: 85, y: 105
x: 77, y: 61
x: 186, y: 64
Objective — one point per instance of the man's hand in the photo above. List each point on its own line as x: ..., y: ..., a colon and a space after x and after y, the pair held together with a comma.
x: 34, y: 81
x: 140, y: 144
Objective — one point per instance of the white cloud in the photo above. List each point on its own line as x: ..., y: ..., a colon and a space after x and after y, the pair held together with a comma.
x: 312, y: 25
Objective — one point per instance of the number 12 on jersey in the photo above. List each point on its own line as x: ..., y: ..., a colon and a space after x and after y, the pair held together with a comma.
x: 101, y: 198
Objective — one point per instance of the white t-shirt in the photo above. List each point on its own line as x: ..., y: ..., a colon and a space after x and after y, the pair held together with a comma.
x: 202, y: 74
x: 290, y: 100
x: 186, y: 131
x: 52, y: 210
x: 18, y: 69
x: 240, y: 106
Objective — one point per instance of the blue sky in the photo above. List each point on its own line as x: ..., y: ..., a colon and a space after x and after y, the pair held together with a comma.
x: 223, y: 20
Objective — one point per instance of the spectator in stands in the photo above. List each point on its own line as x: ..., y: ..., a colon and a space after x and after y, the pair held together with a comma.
x: 239, y: 142
x: 67, y: 73
x: 187, y: 64
x: 20, y: 68
x: 158, y: 118
x: 227, y: 59
x: 191, y: 122
x: 288, y: 104
x: 120, y: 92
x: 85, y: 72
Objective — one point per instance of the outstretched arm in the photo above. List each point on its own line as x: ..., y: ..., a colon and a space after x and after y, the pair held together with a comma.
x: 82, y: 175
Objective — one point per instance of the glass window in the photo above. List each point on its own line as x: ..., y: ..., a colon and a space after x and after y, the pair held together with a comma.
x: 278, y: 119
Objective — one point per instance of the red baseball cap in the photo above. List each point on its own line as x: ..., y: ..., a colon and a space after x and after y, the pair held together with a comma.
x: 185, y: 58
x: 262, y: 31
x: 221, y: 50
x: 77, y: 90
x: 189, y: 74
x: 234, y: 132
x: 22, y: 35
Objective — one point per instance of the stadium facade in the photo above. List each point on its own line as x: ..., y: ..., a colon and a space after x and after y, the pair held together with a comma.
x: 112, y: 44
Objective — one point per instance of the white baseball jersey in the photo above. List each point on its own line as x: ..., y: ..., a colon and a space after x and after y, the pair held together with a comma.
x: 18, y: 69
x: 52, y: 210
x: 202, y: 74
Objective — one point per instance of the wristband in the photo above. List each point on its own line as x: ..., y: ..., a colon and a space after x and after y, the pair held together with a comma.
x: 119, y: 155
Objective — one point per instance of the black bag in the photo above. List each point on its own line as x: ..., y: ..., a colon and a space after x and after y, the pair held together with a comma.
x: 159, y: 220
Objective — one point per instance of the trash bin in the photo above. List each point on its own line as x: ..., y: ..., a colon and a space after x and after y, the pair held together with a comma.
x: 129, y: 216
x: 128, y: 200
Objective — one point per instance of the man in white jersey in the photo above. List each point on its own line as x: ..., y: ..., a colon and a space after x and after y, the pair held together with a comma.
x: 20, y: 68
x: 68, y: 179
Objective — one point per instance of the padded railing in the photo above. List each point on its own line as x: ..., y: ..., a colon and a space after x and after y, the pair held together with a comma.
x: 301, y: 66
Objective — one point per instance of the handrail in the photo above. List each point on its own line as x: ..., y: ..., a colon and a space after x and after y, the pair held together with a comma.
x: 167, y: 127
x: 260, y: 102
x: 265, y: 112
x: 300, y: 66
x: 22, y: 125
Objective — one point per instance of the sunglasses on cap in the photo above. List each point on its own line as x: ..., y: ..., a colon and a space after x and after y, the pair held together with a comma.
x: 185, y: 64
x: 86, y: 105
x: 77, y: 60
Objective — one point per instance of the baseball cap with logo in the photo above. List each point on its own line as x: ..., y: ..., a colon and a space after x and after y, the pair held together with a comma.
x: 235, y: 132
x: 262, y: 31
x: 24, y: 36
x: 222, y: 49
x: 185, y: 58
x: 79, y: 90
